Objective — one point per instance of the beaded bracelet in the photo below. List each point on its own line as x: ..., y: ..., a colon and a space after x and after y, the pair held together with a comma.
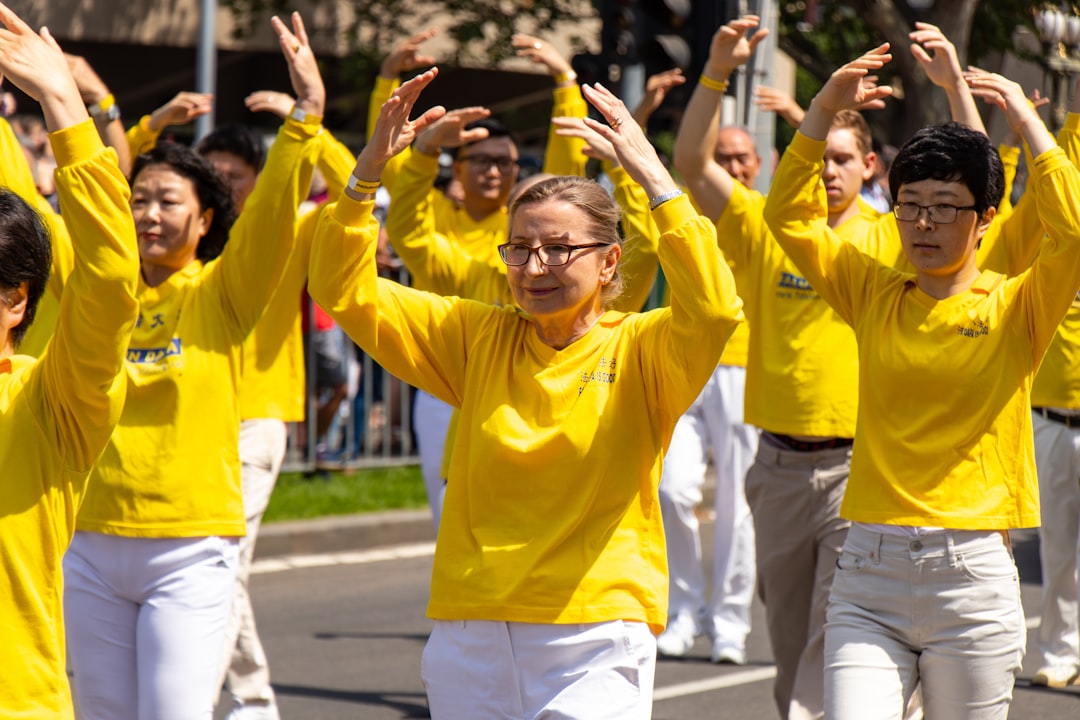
x: 717, y: 85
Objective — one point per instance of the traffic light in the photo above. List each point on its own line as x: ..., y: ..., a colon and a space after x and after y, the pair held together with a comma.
x: 620, y: 31
x: 667, y: 35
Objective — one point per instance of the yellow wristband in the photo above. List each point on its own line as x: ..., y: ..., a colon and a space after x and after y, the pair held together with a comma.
x: 305, y: 118
x: 105, y: 108
x: 717, y: 85
x: 363, y: 187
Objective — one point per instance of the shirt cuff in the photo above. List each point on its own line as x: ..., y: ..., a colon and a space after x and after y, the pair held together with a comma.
x: 76, y: 143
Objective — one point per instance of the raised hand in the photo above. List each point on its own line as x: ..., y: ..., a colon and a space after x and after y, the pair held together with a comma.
x: 394, y: 131
x: 1019, y: 112
x: 632, y: 148
x: 270, y: 101
x: 181, y: 110
x: 540, y: 52
x: 304, y: 74
x: 773, y: 100
x: 731, y: 48
x: 406, y: 55
x: 656, y: 89
x: 450, y: 130
x: 597, y: 146
x: 845, y: 89
x: 937, y: 55
x: 37, y: 66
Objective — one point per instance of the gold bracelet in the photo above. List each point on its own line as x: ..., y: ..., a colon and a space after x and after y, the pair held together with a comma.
x: 717, y: 85
x: 362, y: 187
x: 567, y: 78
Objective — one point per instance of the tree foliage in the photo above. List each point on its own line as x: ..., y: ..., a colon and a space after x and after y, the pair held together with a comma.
x: 821, y: 35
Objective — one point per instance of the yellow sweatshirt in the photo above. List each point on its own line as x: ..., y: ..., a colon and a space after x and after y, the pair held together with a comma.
x: 171, y: 468
x: 551, y: 510
x: 944, y: 432
x: 802, y: 364
x: 272, y: 377
x: 56, y: 414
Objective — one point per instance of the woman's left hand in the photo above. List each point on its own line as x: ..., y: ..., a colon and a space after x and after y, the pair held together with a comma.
x: 627, y: 138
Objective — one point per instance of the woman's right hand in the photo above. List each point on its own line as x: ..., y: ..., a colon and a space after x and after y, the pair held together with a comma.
x: 307, y: 83
x: 393, y: 130
x: 181, y: 110
x: 37, y: 66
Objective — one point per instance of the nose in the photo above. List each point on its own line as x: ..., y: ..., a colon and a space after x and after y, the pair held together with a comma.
x: 922, y: 220
x: 533, y: 266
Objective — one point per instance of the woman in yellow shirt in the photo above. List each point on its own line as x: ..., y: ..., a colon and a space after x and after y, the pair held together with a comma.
x: 549, y: 581
x: 57, y: 412
x: 149, y: 575
x: 926, y: 591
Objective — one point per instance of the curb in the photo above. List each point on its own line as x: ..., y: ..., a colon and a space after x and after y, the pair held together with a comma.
x: 344, y: 533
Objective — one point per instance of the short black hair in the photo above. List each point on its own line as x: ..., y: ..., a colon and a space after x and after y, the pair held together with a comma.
x: 25, y: 255
x: 495, y: 130
x: 210, y: 188
x: 951, y: 153
x: 238, y: 140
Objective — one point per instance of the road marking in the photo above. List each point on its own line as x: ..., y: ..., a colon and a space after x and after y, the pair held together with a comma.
x: 743, y: 677
x: 295, y: 562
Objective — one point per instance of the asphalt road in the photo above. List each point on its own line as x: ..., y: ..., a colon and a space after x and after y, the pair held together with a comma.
x: 344, y: 637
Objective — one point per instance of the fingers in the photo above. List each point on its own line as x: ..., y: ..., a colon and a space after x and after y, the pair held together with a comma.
x: 299, y: 30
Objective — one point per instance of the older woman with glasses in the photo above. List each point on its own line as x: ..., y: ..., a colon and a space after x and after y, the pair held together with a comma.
x: 549, y: 581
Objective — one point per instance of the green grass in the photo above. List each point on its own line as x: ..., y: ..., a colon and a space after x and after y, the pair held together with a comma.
x: 368, y: 490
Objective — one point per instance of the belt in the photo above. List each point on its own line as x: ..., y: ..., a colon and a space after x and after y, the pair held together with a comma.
x: 1069, y: 421
x: 786, y: 442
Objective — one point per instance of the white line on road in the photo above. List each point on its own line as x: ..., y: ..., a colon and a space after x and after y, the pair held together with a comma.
x: 293, y: 562
x: 743, y: 677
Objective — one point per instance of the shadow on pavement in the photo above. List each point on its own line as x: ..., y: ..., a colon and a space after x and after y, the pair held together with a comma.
x: 409, y: 704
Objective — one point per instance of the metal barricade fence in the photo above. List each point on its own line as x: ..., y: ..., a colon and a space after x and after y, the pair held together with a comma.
x: 372, y: 426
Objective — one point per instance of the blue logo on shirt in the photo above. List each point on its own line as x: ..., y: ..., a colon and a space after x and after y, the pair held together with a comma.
x: 150, y: 356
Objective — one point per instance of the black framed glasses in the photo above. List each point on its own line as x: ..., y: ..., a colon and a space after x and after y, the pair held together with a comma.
x: 515, y: 254
x: 941, y: 214
x: 483, y: 162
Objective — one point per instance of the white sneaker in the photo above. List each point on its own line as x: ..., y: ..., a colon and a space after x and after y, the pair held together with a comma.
x: 678, y: 639
x: 254, y: 711
x: 725, y: 653
x: 1054, y: 676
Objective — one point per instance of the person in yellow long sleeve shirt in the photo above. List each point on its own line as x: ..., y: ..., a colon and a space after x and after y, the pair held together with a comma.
x: 926, y: 591
x: 551, y: 537
x: 149, y: 575
x: 56, y: 412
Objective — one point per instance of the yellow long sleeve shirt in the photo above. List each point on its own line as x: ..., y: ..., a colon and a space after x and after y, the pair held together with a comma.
x: 1057, y: 384
x: 272, y: 381
x: 944, y: 432
x: 802, y: 360
x: 15, y: 175
x: 171, y: 468
x: 56, y: 414
x: 551, y: 510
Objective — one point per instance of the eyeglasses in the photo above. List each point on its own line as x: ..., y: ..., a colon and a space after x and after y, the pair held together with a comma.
x: 938, y: 214
x: 515, y: 254
x: 483, y: 162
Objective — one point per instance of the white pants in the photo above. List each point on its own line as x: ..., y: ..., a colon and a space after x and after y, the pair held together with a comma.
x: 431, y: 421
x: 244, y: 666
x: 483, y: 670
x: 145, y: 624
x: 1057, y: 457
x: 713, y: 425
x: 941, y: 609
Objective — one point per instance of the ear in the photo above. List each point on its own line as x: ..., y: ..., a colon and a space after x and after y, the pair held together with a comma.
x: 16, y: 299
x: 610, y: 264
x: 869, y: 161
x: 205, y: 221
